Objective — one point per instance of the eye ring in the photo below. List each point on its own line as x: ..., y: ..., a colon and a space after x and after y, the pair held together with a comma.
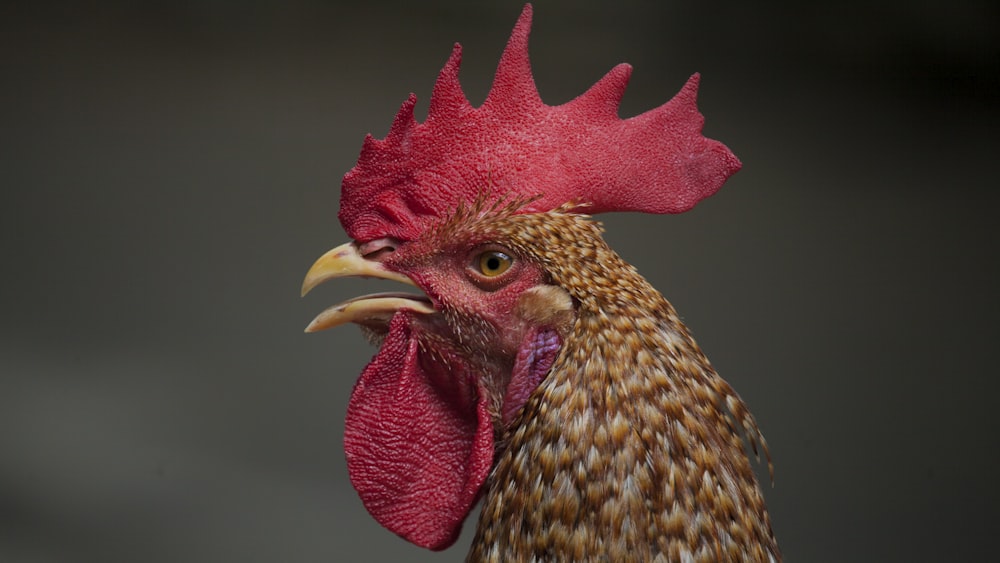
x: 492, y: 263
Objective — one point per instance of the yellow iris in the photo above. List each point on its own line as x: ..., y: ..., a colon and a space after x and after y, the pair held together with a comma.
x: 493, y: 263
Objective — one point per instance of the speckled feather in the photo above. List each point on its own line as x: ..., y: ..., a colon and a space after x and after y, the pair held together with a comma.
x: 632, y: 448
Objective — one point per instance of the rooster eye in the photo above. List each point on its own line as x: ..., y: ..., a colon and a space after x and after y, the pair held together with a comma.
x: 493, y: 263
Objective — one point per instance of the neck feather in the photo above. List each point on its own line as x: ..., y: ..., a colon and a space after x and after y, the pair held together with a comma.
x: 632, y: 447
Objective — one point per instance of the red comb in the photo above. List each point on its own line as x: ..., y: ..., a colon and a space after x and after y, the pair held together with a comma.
x: 517, y: 146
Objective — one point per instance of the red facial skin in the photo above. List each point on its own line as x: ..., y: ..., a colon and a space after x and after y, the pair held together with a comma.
x: 425, y: 414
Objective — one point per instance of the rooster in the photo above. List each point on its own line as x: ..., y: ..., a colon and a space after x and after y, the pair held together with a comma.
x: 537, y: 370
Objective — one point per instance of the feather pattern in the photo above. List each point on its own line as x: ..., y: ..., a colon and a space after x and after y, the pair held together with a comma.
x: 632, y: 433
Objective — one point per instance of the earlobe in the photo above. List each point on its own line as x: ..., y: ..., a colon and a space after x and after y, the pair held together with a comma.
x: 549, y: 306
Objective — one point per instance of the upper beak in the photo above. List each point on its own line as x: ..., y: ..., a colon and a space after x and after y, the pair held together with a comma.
x: 346, y: 261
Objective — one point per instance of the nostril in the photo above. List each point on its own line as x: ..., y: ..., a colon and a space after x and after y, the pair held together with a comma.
x: 380, y: 254
x: 376, y: 250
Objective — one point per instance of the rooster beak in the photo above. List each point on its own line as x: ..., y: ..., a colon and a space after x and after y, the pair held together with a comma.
x: 346, y: 261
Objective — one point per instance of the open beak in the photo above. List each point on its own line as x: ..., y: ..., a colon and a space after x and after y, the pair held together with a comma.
x: 375, y: 310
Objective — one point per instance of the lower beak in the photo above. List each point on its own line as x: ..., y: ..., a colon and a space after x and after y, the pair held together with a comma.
x: 346, y: 261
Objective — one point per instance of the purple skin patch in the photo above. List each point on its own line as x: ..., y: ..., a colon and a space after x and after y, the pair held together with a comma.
x: 532, y: 364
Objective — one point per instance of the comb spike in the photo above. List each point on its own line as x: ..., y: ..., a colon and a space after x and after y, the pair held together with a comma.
x: 679, y: 116
x: 370, y: 149
x: 448, y: 100
x: 404, y: 122
x: 513, y: 85
x: 684, y: 105
x: 602, y: 100
x: 689, y: 92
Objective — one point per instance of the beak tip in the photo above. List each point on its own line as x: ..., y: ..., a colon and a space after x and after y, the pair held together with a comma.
x: 310, y: 282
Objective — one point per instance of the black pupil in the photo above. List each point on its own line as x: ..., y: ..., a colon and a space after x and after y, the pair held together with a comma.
x: 493, y: 263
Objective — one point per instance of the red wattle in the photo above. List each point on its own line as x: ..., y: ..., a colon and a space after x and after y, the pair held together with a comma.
x: 417, y: 462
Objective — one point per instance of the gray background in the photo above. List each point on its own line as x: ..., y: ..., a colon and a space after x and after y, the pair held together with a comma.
x: 171, y: 169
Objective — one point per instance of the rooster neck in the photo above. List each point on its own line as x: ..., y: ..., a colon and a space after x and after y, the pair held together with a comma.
x: 629, y: 449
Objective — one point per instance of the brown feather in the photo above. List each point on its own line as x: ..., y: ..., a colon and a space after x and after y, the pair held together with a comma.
x: 631, y: 449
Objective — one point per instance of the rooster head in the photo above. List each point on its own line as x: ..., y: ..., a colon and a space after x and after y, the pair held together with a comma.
x: 435, y: 205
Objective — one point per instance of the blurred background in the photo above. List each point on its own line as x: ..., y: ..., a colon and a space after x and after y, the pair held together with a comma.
x: 171, y: 169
